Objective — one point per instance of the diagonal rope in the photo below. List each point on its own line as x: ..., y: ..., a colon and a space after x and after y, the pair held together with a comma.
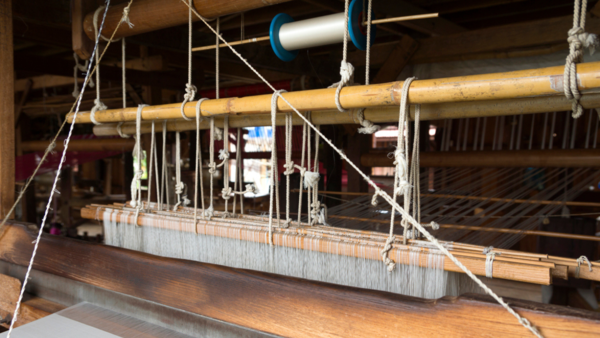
x: 383, y: 194
x: 63, y: 158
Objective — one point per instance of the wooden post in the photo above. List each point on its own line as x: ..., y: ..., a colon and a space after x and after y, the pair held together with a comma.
x: 358, y: 144
x: 7, y: 110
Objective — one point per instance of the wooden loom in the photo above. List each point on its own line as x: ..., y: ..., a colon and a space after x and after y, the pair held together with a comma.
x: 238, y: 296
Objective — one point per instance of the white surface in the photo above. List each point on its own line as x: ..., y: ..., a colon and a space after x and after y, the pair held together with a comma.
x: 321, y: 31
x: 57, y: 326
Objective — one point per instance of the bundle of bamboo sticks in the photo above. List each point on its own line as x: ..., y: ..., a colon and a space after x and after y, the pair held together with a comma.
x: 509, y: 264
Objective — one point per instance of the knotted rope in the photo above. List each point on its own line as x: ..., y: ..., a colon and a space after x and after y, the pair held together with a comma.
x: 80, y: 68
x: 578, y: 41
x: 346, y: 68
x: 385, y: 254
x: 368, y: 127
x: 190, y: 89
x: 582, y: 259
x: 136, y: 187
x: 490, y: 255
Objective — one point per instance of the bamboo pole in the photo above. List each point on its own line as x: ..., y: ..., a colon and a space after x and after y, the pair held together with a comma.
x: 562, y: 158
x: 373, y: 22
x: 375, y: 115
x: 533, y: 83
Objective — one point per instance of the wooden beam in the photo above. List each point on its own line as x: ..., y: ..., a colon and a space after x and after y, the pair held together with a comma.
x: 397, y: 60
x: 82, y: 44
x: 45, y: 81
x: 281, y: 305
x: 514, y: 36
x: 7, y: 110
x: 111, y: 144
x: 570, y: 158
x: 151, y: 15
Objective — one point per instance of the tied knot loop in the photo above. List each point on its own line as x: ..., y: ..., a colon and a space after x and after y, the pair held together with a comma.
x: 385, y: 254
x: 98, y: 105
x: 346, y: 72
x: 490, y: 255
x: 51, y: 146
x: 125, y: 17
x: 289, y: 168
x: 209, y: 212
x: 227, y: 193
x: 190, y: 93
x: 179, y: 187
x: 435, y: 225
x: 223, y: 155
x: 374, y: 200
x: 579, y: 40
x: 218, y: 134
x: 401, y: 164
x: 251, y: 188
x: 212, y: 168
x: 311, y: 179
x: 368, y: 127
x: 580, y: 260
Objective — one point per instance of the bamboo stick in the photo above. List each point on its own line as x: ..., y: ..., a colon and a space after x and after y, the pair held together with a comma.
x: 235, y: 43
x: 510, y: 85
x: 375, y: 115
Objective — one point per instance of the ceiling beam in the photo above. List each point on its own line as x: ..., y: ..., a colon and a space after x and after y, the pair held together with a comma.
x: 396, y: 60
x: 502, y: 38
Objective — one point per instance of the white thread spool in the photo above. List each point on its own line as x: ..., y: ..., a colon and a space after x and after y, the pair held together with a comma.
x: 287, y: 36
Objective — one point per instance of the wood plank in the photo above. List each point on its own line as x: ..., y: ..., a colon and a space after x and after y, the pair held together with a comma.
x: 7, y: 110
x: 46, y: 81
x: 282, y: 305
x: 82, y: 44
x: 397, y: 60
x: 514, y: 36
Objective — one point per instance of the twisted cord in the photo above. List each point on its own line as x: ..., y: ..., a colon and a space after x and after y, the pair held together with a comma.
x: 578, y: 41
x: 368, y: 127
x: 198, y: 165
x: 190, y: 89
x: 273, y: 188
x: 582, y: 259
x: 346, y: 69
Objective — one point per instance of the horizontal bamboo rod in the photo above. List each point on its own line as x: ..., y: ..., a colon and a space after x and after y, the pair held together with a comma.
x: 375, y: 115
x: 111, y: 144
x: 510, y: 85
x: 466, y: 197
x: 502, y: 269
x: 266, y: 38
x: 561, y: 158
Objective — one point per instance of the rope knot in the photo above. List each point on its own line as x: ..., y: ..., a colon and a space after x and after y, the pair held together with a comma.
x: 374, y: 200
x: 368, y: 127
x: 212, y: 168
x: 346, y: 71
x: 125, y: 17
x: 582, y: 259
x: 227, y: 193
x: 251, y: 188
x: 190, y: 92
x: 385, y: 254
x: 434, y: 225
x: 311, y: 179
x: 490, y: 255
x: 218, y: 134
x: 51, y: 146
x: 289, y: 166
x: 179, y: 188
x: 223, y: 155
x: 98, y: 105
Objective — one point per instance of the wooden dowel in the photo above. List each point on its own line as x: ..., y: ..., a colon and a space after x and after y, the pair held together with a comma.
x: 535, y: 83
x: 235, y: 43
x: 404, y: 18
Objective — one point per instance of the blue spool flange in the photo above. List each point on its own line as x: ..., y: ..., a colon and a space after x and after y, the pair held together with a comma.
x: 354, y: 25
x: 282, y: 53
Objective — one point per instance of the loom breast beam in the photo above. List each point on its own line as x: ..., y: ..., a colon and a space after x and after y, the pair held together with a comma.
x: 375, y: 115
x: 279, y: 305
x: 533, y: 83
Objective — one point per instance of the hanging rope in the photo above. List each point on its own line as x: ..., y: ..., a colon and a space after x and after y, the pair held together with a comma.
x: 580, y: 260
x: 165, y: 170
x: 346, y: 68
x: 98, y: 104
x: 274, y: 179
x: 578, y: 41
x: 198, y: 173
x: 190, y: 89
x: 80, y: 68
x: 136, y: 182
x: 490, y: 255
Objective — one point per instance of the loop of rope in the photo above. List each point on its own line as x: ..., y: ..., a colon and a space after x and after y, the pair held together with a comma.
x: 98, y: 105
x: 136, y: 199
x: 490, y: 255
x: 346, y: 68
x: 582, y: 259
x: 385, y: 254
x: 368, y: 127
x: 80, y: 68
x: 578, y: 41
x: 120, y: 131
